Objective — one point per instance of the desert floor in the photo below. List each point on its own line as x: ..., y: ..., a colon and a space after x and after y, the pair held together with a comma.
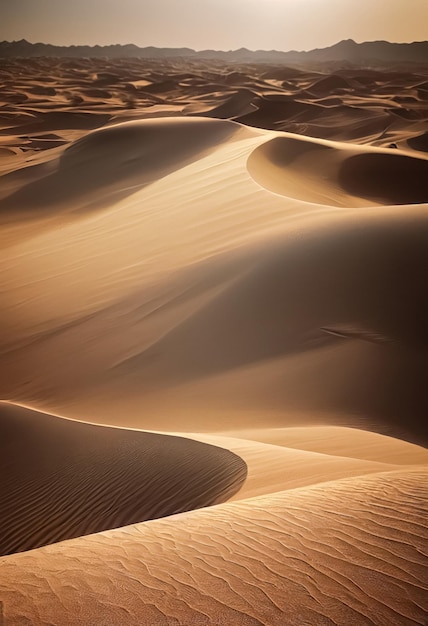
x: 213, y: 344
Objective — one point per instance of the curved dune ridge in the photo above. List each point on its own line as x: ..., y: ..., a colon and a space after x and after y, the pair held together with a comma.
x: 62, y: 479
x: 339, y: 175
x: 114, y: 161
x: 347, y: 552
x: 151, y: 146
x: 273, y: 465
x: 338, y: 441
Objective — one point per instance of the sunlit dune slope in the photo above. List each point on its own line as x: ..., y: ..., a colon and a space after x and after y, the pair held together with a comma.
x: 345, y: 552
x: 113, y: 162
x: 62, y: 479
x: 336, y: 440
x: 274, y: 468
x: 293, y: 457
x: 206, y: 293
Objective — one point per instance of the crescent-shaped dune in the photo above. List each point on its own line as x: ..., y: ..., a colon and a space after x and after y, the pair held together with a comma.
x: 62, y: 479
x: 339, y: 175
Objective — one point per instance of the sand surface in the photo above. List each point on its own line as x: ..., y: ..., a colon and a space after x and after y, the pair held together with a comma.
x: 63, y: 479
x: 348, y: 552
x: 220, y: 272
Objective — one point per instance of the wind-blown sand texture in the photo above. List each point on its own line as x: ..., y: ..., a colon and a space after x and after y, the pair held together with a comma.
x: 233, y: 258
x: 62, y: 479
x: 348, y: 552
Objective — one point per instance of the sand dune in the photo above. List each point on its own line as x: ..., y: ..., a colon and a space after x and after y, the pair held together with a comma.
x: 116, y: 161
x: 123, y: 87
x: 420, y: 142
x: 273, y: 468
x: 338, y: 441
x: 230, y: 307
x: 347, y: 552
x: 63, y: 479
x: 340, y: 176
x: 234, y: 256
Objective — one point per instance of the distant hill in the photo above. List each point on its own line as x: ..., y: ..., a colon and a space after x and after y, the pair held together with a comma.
x: 344, y: 51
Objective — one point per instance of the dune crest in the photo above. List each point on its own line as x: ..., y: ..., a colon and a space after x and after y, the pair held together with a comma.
x: 339, y: 175
x: 62, y: 479
x: 337, y: 441
x: 114, y: 161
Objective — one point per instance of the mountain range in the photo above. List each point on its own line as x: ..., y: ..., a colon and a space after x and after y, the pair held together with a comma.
x: 344, y: 51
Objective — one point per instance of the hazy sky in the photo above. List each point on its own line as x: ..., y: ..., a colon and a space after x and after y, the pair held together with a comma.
x: 220, y: 24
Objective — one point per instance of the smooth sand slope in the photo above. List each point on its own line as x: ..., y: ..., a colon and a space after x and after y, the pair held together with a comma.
x: 62, y: 479
x: 348, y: 552
x: 338, y: 441
x: 276, y: 467
x: 205, y: 292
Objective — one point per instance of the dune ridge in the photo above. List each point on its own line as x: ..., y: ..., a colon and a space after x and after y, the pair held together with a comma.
x: 63, y: 479
x: 65, y: 97
x: 346, y: 552
x: 345, y: 176
x: 272, y: 468
x: 337, y: 441
x: 116, y: 161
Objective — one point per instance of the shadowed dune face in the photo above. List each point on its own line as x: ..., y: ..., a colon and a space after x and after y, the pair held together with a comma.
x: 338, y: 176
x: 420, y: 142
x: 389, y: 179
x: 348, y: 552
x: 151, y: 144
x: 62, y: 479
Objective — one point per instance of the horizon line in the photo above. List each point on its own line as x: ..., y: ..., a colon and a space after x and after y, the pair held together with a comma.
x: 183, y: 47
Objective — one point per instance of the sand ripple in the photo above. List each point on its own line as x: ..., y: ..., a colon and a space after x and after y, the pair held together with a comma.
x: 349, y: 552
x: 62, y: 479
